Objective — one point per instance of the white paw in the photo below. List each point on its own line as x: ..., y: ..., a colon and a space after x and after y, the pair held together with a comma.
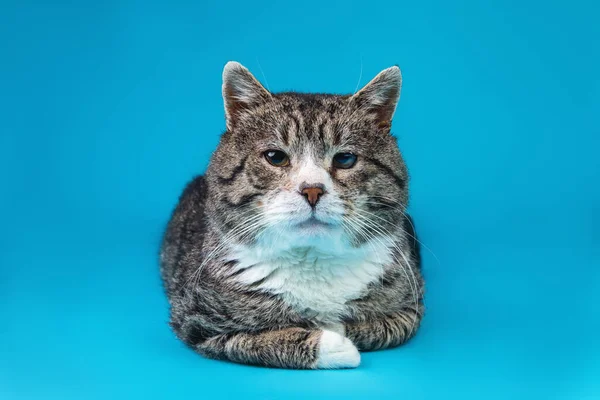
x: 336, y: 327
x: 337, y: 351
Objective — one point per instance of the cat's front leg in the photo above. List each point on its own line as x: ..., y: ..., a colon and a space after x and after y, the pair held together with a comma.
x: 385, y: 331
x: 286, y: 348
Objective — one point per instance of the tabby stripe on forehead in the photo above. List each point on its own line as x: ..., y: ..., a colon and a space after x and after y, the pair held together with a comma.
x: 331, y: 109
x: 321, y: 130
x: 399, y: 181
x: 236, y: 171
x: 284, y: 133
x: 296, y: 123
x: 337, y: 134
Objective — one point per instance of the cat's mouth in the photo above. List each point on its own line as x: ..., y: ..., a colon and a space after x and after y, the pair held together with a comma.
x: 314, y: 224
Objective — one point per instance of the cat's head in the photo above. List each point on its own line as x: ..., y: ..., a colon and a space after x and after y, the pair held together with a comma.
x: 301, y: 168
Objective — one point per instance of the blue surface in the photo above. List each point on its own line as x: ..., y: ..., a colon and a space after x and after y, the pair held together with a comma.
x: 108, y: 108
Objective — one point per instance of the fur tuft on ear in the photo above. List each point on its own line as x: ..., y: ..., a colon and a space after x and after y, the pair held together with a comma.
x: 381, y: 95
x: 241, y: 91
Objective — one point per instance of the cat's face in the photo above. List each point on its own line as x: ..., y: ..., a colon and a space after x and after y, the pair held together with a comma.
x: 304, y: 168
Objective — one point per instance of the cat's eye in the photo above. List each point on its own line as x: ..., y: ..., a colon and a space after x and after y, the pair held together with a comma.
x: 277, y: 158
x: 344, y: 160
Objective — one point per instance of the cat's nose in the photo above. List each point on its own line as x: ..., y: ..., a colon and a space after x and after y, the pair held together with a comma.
x: 312, y: 194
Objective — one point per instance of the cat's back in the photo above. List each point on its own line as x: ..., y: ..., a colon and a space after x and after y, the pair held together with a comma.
x: 185, y: 230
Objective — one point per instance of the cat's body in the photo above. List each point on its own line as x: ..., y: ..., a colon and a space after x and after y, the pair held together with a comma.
x: 294, y: 250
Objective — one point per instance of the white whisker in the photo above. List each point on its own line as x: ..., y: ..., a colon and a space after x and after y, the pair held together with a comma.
x: 239, y: 230
x: 402, y: 210
x: 263, y: 74
x: 386, y: 235
x: 360, y: 75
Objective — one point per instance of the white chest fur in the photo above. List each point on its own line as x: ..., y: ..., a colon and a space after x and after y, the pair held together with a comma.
x: 315, y: 280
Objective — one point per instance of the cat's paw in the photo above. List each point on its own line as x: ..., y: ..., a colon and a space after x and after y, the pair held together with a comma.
x: 336, y: 351
x: 335, y: 327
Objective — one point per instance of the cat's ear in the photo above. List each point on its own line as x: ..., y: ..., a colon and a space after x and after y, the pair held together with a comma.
x: 241, y: 92
x: 380, y: 96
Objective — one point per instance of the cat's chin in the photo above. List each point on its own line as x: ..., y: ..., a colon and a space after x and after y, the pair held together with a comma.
x: 314, y: 227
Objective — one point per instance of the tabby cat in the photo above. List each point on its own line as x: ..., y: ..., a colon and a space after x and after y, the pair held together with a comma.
x: 294, y: 249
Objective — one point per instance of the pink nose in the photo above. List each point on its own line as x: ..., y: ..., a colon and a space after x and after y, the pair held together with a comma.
x: 312, y: 194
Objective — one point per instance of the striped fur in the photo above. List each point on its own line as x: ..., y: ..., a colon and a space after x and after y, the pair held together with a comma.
x: 246, y: 283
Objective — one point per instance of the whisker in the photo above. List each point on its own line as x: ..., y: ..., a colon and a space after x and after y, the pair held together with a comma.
x: 360, y: 75
x: 239, y: 229
x: 409, y: 221
x: 360, y: 231
x: 387, y: 235
x: 263, y: 74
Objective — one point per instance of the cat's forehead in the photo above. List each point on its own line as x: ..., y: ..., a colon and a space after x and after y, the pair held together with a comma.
x: 315, y: 120
x: 311, y: 103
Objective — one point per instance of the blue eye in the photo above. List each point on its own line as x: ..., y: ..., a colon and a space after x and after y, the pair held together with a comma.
x: 277, y: 158
x: 344, y: 160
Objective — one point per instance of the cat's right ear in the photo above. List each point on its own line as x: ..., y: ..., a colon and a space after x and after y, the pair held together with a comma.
x: 380, y: 96
x: 241, y: 92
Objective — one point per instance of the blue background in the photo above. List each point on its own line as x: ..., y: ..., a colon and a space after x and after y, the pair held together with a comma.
x: 108, y: 108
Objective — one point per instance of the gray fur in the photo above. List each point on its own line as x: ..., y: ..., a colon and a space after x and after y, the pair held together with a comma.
x: 216, y: 315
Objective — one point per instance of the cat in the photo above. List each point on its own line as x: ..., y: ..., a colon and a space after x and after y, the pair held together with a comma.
x: 294, y: 249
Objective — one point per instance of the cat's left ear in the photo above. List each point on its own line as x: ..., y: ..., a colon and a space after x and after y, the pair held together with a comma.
x: 380, y: 96
x: 241, y: 92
